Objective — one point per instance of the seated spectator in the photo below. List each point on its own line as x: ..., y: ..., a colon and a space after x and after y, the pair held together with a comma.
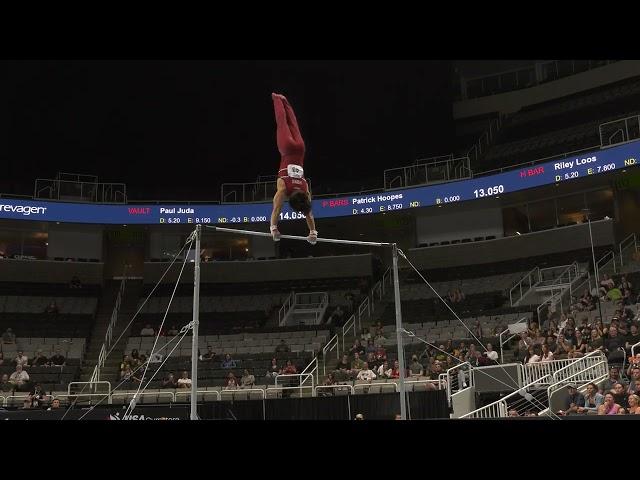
x: 75, y: 282
x: 580, y: 348
x: 614, y: 295
x: 126, y: 361
x: 366, y: 373
x: 435, y: 370
x: 595, y: 342
x: 384, y: 370
x: 606, y: 284
x: 231, y: 382
x: 273, y: 370
x: 128, y: 375
x: 371, y: 360
x: 381, y: 353
x: 491, y: 353
x: 573, y: 402
x: 210, y: 355
x: 357, y: 348
x: 357, y: 364
x: 533, y: 355
x: 619, y: 395
x: 343, y: 368
x: 416, y: 368
x: 147, y: 331
x: 135, y: 358
x: 184, y: 381
x: 21, y: 359
x: 170, y: 381
x: 289, y: 369
x: 371, y: 348
x: 592, y: 400
x: 613, y: 345
x: 228, y: 362
x: 366, y: 336
x: 614, y: 377
x: 173, y: 331
x: 523, y: 345
x: 282, y: 347
x: 52, y: 308
x: 329, y: 381
x: 38, y: 396
x: 247, y: 380
x: 632, y: 337
x: 513, y: 413
x: 547, y: 354
x: 19, y: 378
x: 57, y: 359
x: 379, y: 335
x: 563, y: 348
x: 634, y: 404
x: 8, y: 336
x: 39, y: 360
x: 5, y: 385
x: 55, y: 404
x: 395, y: 371
x: 609, y: 406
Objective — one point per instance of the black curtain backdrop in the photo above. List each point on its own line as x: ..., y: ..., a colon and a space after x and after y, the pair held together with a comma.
x: 385, y: 406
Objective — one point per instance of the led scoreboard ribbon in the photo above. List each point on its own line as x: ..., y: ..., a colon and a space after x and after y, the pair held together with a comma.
x: 571, y: 168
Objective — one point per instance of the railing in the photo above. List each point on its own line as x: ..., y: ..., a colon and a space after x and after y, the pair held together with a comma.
x: 311, y: 369
x: 498, y: 409
x: 485, y: 140
x: 626, y: 244
x: 558, y: 368
x: 187, y: 394
x: 78, y: 191
x: 8, y: 400
x: 456, y: 378
x: 128, y: 396
x: 528, y: 281
x: 329, y: 347
x: 387, y: 279
x: 603, y: 263
x: 102, y: 356
x: 303, y: 377
x: 347, y: 387
x: 363, y: 309
x: 92, y: 386
x: 619, y: 131
x: 349, y: 325
x: 284, y: 309
x: 578, y: 366
x: 382, y: 385
x: 428, y: 171
x: 237, y: 391
x: 600, y: 373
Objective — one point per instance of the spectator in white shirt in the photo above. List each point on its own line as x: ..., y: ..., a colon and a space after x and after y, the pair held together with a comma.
x: 19, y: 377
x: 491, y: 353
x: 147, y: 331
x: 366, y: 373
x: 533, y: 355
x: 21, y: 359
x: 384, y: 371
x: 184, y: 381
x: 547, y: 355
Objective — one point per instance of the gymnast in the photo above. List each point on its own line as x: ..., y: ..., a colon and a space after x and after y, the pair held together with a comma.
x: 291, y: 183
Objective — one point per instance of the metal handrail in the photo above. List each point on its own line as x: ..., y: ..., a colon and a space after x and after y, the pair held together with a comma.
x: 599, y: 265
x: 187, y: 392
x: 300, y: 376
x: 364, y: 307
x: 590, y: 355
x: 351, y: 323
x: 331, y: 344
x: 366, y: 385
x: 535, y: 272
x: 327, y: 387
x: 5, y: 400
x: 284, y: 309
x: 234, y: 391
x: 89, y: 383
x: 500, y: 406
x: 633, y: 348
x: 622, y: 248
x: 523, y: 319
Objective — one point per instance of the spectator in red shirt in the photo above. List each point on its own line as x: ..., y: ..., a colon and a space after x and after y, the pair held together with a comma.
x: 395, y: 371
x: 290, y: 368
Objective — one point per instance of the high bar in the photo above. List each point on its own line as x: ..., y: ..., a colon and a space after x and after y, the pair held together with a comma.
x: 296, y: 237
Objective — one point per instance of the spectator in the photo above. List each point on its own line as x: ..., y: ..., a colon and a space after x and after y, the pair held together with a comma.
x: 595, y: 342
x: 384, y: 371
x: 573, y: 402
x: 357, y: 364
x: 634, y: 384
x: 184, y: 381
x: 523, y: 345
x: 366, y: 336
x: 371, y: 348
x: 371, y: 360
x: 289, y: 369
x: 135, y: 358
x: 126, y: 361
x: 273, y: 370
x: 513, y: 413
x: 359, y: 416
x: 381, y: 353
x: 343, y: 369
x: 357, y: 348
x: 633, y: 337
x: 366, y: 373
x: 37, y: 396
x: 592, y: 400
x: 491, y: 353
x: 39, y: 360
x: 228, y: 362
x: 247, y: 380
x: 614, y: 377
x: 609, y: 407
x: 147, y: 331
x: 563, y: 348
x: 5, y: 385
x: 395, y: 371
x: 580, y: 348
x: 634, y: 404
x: 613, y: 345
x: 547, y: 354
x: 337, y: 317
x: 170, y: 381
x: 19, y: 378
x: 436, y: 370
x: 634, y: 362
x: 128, y: 375
x: 533, y: 355
x: 619, y: 395
x: 8, y: 336
x: 606, y: 284
x: 416, y: 368
x: 52, y: 308
x: 282, y: 347
x: 173, y: 331
x: 26, y: 403
x: 55, y: 404
x: 210, y: 356
x: 21, y: 359
x: 231, y: 383
x: 379, y: 336
x: 75, y: 282
x: 329, y: 381
x: 57, y: 359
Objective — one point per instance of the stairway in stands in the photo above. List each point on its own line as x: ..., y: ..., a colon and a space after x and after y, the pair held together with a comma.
x: 106, y: 303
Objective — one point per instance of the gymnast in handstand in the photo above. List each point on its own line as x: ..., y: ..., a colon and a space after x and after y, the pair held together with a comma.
x: 291, y: 183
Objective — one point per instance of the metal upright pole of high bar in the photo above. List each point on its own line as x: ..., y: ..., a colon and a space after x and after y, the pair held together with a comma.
x: 194, y: 330
x: 399, y: 331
